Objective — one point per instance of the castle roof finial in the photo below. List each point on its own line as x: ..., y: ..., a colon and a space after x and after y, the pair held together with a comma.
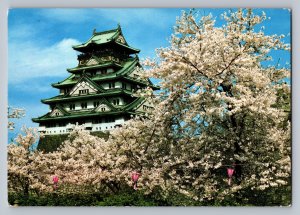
x: 94, y: 31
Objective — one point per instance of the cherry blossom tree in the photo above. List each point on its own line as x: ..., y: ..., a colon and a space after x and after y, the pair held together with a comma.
x: 221, y: 105
x: 21, y: 157
x: 82, y: 163
x: 14, y: 113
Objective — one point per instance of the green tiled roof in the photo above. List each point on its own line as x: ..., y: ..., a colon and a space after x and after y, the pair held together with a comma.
x: 69, y: 80
x: 116, y: 111
x: 125, y: 65
x: 81, y: 68
x: 140, y: 81
x: 104, y: 101
x: 62, y: 98
x: 104, y: 37
x: 128, y: 66
x: 133, y: 104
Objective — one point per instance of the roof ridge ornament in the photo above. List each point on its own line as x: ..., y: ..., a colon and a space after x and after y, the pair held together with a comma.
x: 94, y: 31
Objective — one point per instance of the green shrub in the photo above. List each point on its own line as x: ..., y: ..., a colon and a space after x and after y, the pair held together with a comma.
x: 54, y: 199
x: 133, y: 198
x: 50, y: 143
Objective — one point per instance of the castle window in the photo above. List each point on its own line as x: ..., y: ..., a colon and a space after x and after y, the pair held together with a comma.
x: 93, y: 73
x: 124, y: 86
x: 102, y: 109
x: 83, y: 105
x: 61, y: 124
x: 111, y: 85
x: 72, y: 106
x: 50, y: 125
x: 97, y: 121
x: 96, y: 104
x: 107, y: 120
x: 86, y: 91
x: 145, y: 107
x: 116, y: 101
x: 57, y: 114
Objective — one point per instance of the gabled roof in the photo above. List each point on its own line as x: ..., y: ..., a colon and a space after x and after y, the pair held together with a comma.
x: 93, y: 60
x: 128, y: 66
x: 48, y: 115
x: 104, y: 37
x: 88, y: 80
x: 59, y: 107
x: 104, y: 101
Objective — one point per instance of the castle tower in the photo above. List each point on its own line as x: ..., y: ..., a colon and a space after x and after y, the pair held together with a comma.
x: 98, y: 93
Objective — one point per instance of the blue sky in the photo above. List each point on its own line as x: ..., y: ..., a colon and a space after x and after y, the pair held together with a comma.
x: 40, y: 43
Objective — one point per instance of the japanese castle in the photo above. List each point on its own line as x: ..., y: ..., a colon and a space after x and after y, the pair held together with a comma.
x: 99, y: 92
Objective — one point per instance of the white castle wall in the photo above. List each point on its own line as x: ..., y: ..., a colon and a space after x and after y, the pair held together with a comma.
x: 118, y: 84
x: 94, y: 127
x: 90, y: 104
